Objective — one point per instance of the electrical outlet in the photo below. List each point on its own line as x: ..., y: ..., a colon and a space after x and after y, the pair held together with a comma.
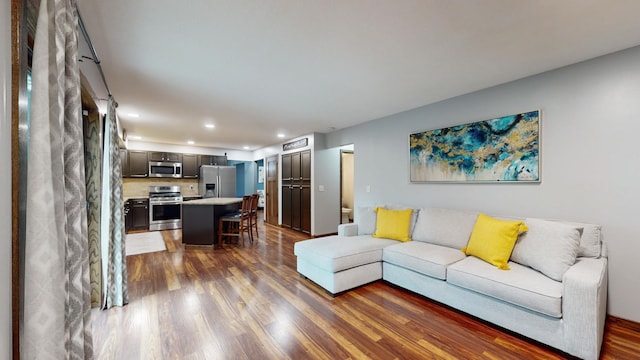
x: 368, y: 188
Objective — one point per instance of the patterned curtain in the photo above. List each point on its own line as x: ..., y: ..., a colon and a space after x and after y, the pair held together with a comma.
x: 57, y: 304
x: 93, y: 172
x: 114, y: 265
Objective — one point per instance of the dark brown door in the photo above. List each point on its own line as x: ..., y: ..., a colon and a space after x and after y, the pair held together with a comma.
x: 140, y: 210
x: 190, y: 167
x: 295, y: 168
x: 138, y: 163
x: 287, y: 206
x: 288, y: 181
x: 271, y: 193
x: 305, y: 209
x: 305, y: 191
x: 205, y: 159
x: 286, y: 169
x: 220, y: 160
x: 296, y: 210
x: 124, y: 162
x: 296, y: 191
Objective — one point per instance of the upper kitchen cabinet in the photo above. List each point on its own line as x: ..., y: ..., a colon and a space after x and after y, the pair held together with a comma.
x: 190, y: 166
x: 213, y: 160
x: 138, y: 164
x: 164, y: 156
x: 124, y: 163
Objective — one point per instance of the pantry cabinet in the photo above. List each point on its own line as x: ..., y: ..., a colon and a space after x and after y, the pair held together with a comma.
x: 296, y: 191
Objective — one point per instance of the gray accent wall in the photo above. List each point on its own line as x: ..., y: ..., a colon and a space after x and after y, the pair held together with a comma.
x: 5, y: 180
x: 590, y: 132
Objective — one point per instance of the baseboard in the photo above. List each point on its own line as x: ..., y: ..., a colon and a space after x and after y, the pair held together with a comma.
x: 628, y: 324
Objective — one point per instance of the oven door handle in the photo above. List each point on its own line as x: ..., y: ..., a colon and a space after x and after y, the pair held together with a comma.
x: 168, y: 202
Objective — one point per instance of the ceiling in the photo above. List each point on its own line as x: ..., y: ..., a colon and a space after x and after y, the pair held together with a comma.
x: 258, y: 68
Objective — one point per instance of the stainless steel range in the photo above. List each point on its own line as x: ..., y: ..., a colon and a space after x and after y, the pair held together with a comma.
x: 165, y: 207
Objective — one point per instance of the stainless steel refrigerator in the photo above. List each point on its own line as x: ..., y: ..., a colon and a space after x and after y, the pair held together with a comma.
x: 217, y: 181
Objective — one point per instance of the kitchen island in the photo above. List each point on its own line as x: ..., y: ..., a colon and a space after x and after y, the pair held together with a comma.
x: 200, y: 219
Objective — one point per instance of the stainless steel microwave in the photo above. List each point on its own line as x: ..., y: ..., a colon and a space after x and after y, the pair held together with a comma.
x: 165, y: 169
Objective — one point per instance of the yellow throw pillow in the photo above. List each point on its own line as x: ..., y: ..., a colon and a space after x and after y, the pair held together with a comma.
x: 393, y: 224
x: 492, y: 240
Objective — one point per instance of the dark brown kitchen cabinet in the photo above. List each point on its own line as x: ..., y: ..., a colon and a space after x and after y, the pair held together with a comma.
x: 136, y: 214
x: 220, y: 160
x: 164, y: 156
x: 296, y: 191
x: 124, y: 163
x: 190, y: 167
x: 138, y: 163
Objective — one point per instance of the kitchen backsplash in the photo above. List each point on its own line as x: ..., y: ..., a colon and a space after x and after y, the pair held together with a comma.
x: 133, y: 188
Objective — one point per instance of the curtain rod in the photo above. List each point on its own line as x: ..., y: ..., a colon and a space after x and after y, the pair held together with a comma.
x: 92, y: 49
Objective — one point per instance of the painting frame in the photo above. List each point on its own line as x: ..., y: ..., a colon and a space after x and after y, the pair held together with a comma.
x: 504, y: 149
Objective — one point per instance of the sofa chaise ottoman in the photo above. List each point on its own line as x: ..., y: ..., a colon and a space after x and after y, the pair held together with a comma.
x: 554, y: 291
x: 338, y: 263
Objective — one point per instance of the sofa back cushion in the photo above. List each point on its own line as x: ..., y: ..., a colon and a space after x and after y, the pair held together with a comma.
x: 591, y: 244
x: 550, y: 247
x: 590, y: 241
x: 446, y: 227
x: 366, y: 219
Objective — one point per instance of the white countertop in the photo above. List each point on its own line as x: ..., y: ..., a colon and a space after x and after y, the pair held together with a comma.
x: 213, y: 201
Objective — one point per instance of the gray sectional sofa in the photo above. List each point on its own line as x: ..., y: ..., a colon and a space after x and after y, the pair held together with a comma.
x: 555, y: 294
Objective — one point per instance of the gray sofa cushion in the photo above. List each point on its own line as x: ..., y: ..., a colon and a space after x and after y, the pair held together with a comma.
x: 550, y: 247
x: 424, y: 258
x: 366, y: 220
x: 590, y: 241
x: 335, y: 253
x: 521, y: 285
x: 445, y: 227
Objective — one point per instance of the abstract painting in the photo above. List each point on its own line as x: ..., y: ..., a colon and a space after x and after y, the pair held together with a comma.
x: 504, y: 149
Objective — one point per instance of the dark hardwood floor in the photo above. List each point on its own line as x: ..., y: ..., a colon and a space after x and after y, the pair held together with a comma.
x: 250, y: 303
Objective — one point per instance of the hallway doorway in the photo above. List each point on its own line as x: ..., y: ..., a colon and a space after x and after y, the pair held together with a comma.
x: 347, y: 172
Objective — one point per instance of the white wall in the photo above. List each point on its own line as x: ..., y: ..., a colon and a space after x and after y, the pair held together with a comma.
x: 5, y: 180
x: 589, y: 149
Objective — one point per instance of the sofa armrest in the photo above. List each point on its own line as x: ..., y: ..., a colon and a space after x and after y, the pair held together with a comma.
x: 350, y: 229
x: 584, y: 306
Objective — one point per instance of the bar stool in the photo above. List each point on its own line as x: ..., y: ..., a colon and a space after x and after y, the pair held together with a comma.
x: 253, y: 215
x: 236, y: 223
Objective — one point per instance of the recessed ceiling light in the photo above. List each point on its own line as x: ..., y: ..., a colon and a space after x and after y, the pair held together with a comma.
x: 281, y: 135
x: 190, y: 142
x: 133, y: 115
x: 246, y: 148
x: 209, y: 126
x: 135, y: 137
